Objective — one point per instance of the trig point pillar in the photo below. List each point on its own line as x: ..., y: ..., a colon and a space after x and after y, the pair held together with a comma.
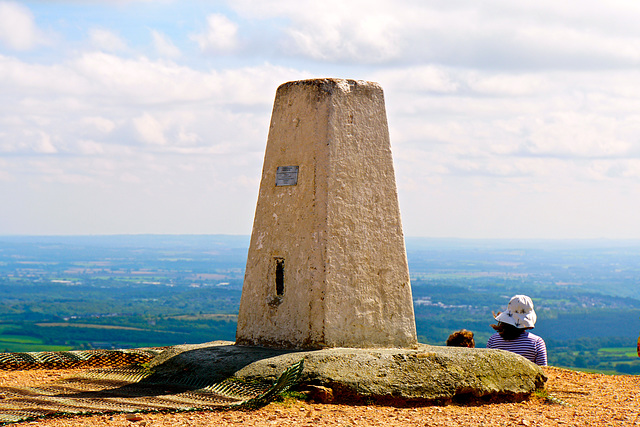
x: 327, y: 265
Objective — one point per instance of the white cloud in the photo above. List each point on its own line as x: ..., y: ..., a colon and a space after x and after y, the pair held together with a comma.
x: 89, y: 148
x: 130, y: 178
x: 23, y: 79
x: 18, y: 29
x: 35, y: 141
x: 497, y: 140
x: 143, y: 81
x: 102, y: 124
x: 164, y: 46
x: 188, y: 138
x: 333, y: 30
x: 370, y: 38
x: 489, y: 34
x: 44, y: 144
x: 221, y: 35
x: 4, y: 175
x: 106, y: 40
x: 421, y: 79
x: 502, y: 84
x: 150, y: 129
x: 92, y: 98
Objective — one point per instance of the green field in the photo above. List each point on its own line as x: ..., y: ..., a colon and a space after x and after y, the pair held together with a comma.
x: 625, y: 352
x: 16, y: 339
x: 21, y: 343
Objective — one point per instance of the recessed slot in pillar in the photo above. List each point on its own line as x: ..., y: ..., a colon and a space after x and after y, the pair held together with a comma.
x: 279, y: 276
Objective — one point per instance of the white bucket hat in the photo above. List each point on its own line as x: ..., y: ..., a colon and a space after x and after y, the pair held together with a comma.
x: 519, y: 313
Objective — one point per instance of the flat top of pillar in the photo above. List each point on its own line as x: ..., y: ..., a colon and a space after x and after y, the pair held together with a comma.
x: 330, y: 84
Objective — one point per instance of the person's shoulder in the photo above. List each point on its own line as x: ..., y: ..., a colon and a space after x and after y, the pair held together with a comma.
x: 493, y: 338
x: 533, y: 336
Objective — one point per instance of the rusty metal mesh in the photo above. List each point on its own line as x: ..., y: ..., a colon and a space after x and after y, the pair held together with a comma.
x: 133, y: 388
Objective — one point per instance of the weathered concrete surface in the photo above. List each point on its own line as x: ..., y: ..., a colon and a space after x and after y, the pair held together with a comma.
x: 425, y: 374
x: 338, y: 230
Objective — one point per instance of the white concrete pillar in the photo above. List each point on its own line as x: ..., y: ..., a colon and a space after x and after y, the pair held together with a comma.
x: 327, y: 265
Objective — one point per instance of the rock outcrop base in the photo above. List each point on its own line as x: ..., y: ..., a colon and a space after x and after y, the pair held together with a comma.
x: 427, y: 374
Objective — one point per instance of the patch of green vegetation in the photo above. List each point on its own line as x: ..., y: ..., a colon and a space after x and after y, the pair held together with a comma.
x: 216, y: 316
x: 291, y: 398
x: 541, y: 393
x: 620, y: 351
x: 17, y: 339
x: 9, y: 347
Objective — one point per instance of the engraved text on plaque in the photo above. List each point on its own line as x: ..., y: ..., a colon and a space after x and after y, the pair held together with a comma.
x: 286, y: 175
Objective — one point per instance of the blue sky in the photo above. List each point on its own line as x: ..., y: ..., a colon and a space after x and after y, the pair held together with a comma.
x: 507, y: 119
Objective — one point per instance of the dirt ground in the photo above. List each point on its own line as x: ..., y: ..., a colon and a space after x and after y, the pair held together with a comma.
x: 581, y: 399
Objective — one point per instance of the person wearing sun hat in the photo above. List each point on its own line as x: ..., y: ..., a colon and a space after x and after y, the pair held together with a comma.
x: 512, y: 331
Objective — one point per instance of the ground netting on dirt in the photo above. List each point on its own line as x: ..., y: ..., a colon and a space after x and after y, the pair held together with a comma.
x: 76, y: 359
x: 135, y: 388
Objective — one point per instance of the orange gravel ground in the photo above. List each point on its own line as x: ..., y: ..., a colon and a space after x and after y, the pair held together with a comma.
x: 595, y: 400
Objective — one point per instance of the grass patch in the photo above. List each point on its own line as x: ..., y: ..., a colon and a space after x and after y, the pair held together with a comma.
x: 618, y: 350
x: 19, y: 339
x: 87, y: 326
x: 291, y: 398
x: 9, y: 347
x: 630, y: 352
x: 223, y: 317
x: 540, y: 394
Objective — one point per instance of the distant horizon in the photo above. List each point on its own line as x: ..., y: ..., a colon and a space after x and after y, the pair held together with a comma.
x: 248, y: 236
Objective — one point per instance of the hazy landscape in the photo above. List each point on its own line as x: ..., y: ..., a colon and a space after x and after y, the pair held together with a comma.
x: 151, y: 290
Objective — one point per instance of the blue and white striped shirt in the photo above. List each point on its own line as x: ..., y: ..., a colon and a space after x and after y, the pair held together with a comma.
x: 527, y: 345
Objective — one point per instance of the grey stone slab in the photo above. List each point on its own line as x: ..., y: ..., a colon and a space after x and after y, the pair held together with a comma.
x: 425, y: 374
